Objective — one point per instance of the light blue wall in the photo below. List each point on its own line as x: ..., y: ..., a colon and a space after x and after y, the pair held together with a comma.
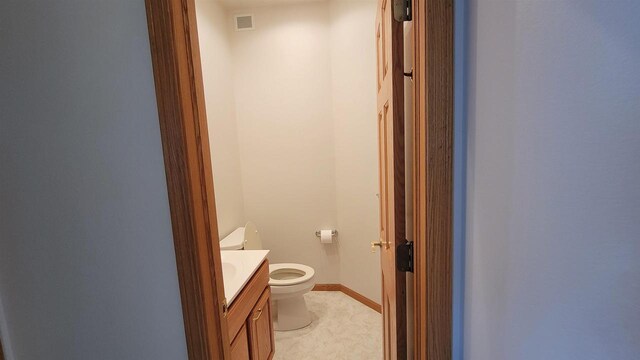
x: 553, y: 221
x: 87, y: 266
x: 459, y: 175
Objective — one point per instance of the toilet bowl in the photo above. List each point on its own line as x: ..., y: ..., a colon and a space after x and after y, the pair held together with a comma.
x: 288, y: 281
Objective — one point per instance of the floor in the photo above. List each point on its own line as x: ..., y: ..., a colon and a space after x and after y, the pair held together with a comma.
x: 342, y: 328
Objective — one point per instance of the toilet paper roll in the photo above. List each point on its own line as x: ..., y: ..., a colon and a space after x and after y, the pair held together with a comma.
x: 326, y: 237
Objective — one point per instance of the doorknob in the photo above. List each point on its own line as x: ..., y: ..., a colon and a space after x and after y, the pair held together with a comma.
x: 377, y: 243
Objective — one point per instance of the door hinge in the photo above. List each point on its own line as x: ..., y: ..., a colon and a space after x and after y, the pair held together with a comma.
x: 404, y: 257
x: 402, y: 10
x: 225, y: 307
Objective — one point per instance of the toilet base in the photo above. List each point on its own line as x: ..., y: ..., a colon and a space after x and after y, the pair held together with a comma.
x: 290, y: 314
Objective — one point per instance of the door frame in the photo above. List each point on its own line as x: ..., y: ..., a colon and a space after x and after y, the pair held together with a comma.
x: 433, y: 76
x: 177, y: 73
x: 183, y: 125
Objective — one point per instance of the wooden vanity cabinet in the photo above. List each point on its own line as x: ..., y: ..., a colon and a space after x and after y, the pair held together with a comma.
x: 240, y: 345
x: 249, y: 319
x: 261, y: 329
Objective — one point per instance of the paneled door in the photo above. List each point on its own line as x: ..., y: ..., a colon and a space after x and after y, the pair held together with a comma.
x: 390, y: 109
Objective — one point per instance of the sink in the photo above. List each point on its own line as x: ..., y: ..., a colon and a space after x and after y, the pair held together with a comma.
x: 237, y: 268
x: 229, y: 270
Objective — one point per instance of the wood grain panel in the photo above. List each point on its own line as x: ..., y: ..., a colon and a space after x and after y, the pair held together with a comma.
x: 261, y: 329
x: 433, y: 182
x: 390, y: 108
x: 185, y: 142
x: 243, y: 304
x: 384, y: 15
x: 379, y: 54
x: 240, y: 345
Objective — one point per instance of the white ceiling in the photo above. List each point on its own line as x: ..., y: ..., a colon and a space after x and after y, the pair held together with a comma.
x: 234, y: 4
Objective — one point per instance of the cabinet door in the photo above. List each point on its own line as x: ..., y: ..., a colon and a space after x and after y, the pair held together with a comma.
x: 240, y: 345
x: 261, y: 329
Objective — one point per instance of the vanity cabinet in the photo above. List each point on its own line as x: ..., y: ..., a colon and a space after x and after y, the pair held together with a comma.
x: 240, y: 345
x: 261, y: 329
x: 249, y: 319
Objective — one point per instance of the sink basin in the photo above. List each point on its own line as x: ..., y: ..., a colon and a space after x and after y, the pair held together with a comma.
x: 237, y: 268
x: 229, y: 270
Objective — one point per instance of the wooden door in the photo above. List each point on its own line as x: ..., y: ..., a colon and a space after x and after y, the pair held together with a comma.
x: 390, y: 83
x: 261, y: 329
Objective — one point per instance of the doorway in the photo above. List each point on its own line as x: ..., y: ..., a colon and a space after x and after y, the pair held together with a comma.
x: 290, y: 91
x: 177, y: 70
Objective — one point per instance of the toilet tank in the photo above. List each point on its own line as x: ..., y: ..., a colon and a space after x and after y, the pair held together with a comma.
x: 233, y: 241
x: 246, y: 237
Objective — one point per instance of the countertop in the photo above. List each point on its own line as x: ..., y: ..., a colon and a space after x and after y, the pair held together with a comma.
x: 237, y: 268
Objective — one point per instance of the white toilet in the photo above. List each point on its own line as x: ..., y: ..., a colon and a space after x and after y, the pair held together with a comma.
x: 288, y: 281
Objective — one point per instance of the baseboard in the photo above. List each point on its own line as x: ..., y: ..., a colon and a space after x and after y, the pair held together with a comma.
x: 326, y: 287
x: 351, y: 293
x: 361, y: 298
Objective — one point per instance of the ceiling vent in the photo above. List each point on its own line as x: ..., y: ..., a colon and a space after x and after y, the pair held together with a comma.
x: 243, y: 22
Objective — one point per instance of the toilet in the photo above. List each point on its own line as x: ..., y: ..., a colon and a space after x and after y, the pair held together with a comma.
x: 288, y: 281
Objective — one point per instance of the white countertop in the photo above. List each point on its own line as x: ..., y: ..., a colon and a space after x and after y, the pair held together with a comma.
x: 237, y: 268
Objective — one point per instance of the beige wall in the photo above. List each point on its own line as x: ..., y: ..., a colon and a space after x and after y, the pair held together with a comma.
x: 213, y: 31
x: 353, y: 69
x: 283, y: 103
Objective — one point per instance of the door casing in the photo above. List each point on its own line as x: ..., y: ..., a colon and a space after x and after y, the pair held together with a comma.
x: 181, y: 109
x: 185, y: 143
x: 433, y: 76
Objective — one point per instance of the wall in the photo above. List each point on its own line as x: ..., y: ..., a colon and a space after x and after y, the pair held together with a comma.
x: 553, y: 180
x: 87, y: 266
x: 459, y: 175
x: 215, y: 53
x: 353, y: 91
x: 283, y: 104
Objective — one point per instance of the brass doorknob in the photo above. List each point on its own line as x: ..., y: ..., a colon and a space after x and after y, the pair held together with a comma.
x: 377, y: 243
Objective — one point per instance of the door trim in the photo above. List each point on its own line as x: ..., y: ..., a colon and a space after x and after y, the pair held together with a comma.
x: 433, y: 178
x: 183, y: 125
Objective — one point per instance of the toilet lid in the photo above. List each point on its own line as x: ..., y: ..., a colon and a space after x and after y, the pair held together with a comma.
x: 251, y: 237
x: 289, y: 274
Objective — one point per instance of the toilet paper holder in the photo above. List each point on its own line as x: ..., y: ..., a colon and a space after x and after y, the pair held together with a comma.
x: 333, y: 233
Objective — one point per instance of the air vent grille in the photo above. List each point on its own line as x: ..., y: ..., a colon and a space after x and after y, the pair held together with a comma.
x: 244, y: 22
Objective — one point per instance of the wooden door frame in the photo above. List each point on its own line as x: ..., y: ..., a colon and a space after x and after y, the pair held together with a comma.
x: 433, y: 178
x: 181, y: 109
x: 177, y: 72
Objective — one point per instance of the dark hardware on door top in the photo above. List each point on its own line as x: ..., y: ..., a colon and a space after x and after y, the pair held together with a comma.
x: 409, y: 74
x: 402, y: 10
x: 404, y: 257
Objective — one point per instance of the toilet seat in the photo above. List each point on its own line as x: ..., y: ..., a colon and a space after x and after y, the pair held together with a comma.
x: 288, y: 274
